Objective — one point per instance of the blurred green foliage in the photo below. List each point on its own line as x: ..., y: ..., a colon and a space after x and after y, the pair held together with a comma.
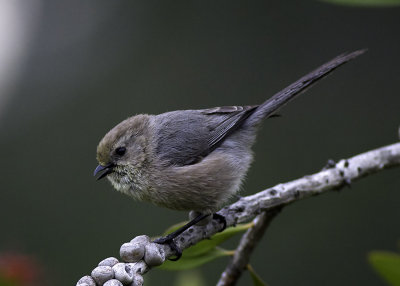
x: 190, y: 278
x: 257, y: 281
x: 206, y: 251
x: 387, y: 265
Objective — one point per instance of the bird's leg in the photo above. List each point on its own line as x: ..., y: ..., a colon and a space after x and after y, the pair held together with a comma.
x: 169, y: 239
x: 221, y: 219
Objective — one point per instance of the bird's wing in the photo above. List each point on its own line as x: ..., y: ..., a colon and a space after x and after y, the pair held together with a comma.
x: 185, y: 137
x: 226, y: 119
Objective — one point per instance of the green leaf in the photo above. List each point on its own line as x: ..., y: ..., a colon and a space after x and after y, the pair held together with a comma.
x: 194, y: 261
x: 207, y: 245
x: 190, y: 278
x: 365, y: 3
x: 387, y: 264
x: 204, y: 251
x: 174, y: 227
x: 257, y: 281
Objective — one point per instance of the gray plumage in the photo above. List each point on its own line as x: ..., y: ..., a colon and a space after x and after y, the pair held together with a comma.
x: 192, y: 159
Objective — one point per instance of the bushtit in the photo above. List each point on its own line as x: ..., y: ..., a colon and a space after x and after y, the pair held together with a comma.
x: 192, y: 159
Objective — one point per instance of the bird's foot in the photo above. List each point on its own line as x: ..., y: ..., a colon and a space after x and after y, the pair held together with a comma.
x: 171, y: 243
x: 220, y: 219
x: 169, y: 239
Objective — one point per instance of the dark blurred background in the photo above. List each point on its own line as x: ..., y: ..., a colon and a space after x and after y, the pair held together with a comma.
x: 71, y: 70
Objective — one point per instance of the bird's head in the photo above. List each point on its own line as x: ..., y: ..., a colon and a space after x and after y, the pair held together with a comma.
x: 122, y: 151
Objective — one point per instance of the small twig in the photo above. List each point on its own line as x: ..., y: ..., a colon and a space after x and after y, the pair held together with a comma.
x: 248, y: 242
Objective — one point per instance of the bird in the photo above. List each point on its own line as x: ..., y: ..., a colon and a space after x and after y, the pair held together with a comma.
x: 192, y: 160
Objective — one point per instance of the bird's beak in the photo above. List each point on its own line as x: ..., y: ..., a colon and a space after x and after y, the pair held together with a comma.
x: 105, y: 169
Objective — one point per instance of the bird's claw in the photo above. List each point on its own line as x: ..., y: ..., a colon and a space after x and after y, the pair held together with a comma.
x: 221, y: 219
x: 169, y: 239
x: 171, y: 243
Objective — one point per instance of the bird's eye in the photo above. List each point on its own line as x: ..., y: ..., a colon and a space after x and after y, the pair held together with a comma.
x: 120, y: 151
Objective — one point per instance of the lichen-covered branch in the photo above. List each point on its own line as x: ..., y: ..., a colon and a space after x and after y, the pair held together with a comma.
x: 333, y: 177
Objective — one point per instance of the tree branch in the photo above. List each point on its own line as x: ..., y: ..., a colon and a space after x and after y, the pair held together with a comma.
x: 334, y: 177
x: 248, y: 242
